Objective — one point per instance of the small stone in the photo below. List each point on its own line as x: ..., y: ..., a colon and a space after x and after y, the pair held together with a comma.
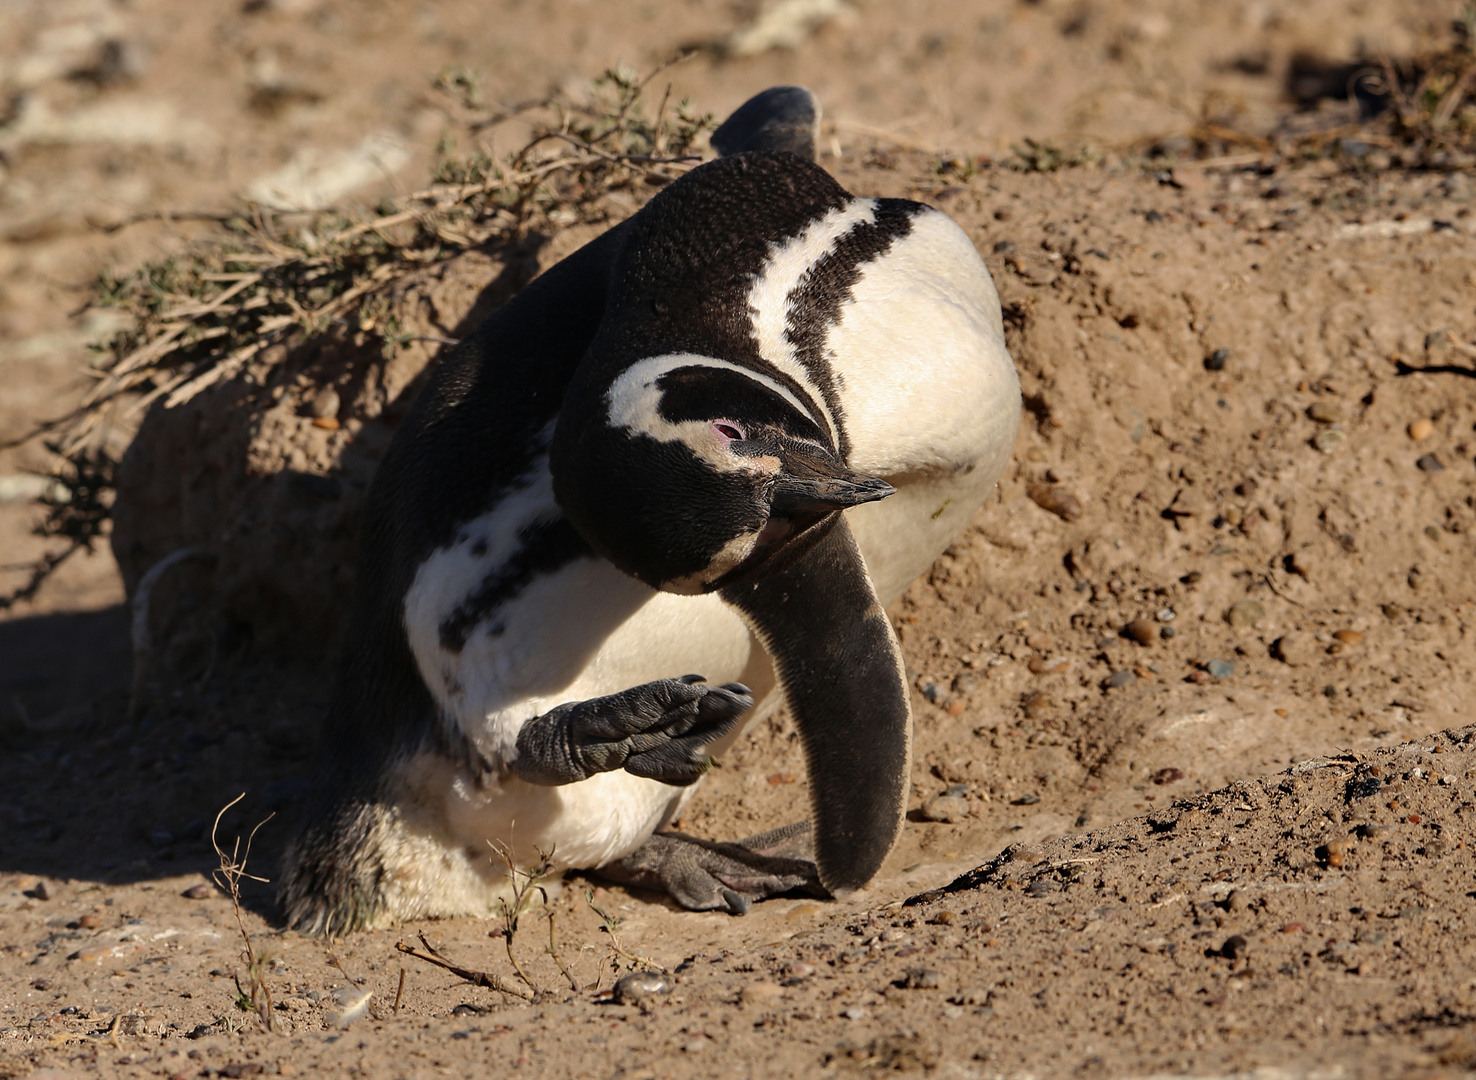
x: 1041, y: 641
x: 1349, y: 637
x: 1220, y: 669
x: 1234, y: 947
x: 1235, y: 902
x: 946, y: 808
x: 1166, y: 615
x: 1297, y: 649
x: 91, y: 954
x: 1330, y: 440
x: 1300, y: 562
x: 326, y: 423
x: 1058, y: 501
x: 40, y: 984
x: 1169, y: 775
x: 933, y: 692
x: 854, y: 1013
x: 1429, y: 463
x: 806, y: 910
x: 1370, y: 831
x: 1025, y: 854
x: 325, y: 404
x: 1335, y: 852
x: 944, y: 918
x: 1293, y: 928
x: 1120, y: 678
x: 1216, y: 360
x: 201, y: 891
x: 1039, y: 665
x: 1041, y: 886
x: 1143, y: 631
x: 89, y: 922
x: 954, y: 708
x: 1039, y: 704
x: 1200, y: 677
x: 921, y: 979
x: 639, y: 986
x: 1421, y: 429
x: 1325, y: 412
x: 41, y: 891
x: 976, y: 996
x: 1244, y: 614
x: 799, y: 970
x: 759, y: 993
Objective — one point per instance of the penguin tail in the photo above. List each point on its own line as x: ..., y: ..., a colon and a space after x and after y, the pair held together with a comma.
x: 781, y: 118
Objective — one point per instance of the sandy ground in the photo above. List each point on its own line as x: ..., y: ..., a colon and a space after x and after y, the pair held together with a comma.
x: 1183, y: 678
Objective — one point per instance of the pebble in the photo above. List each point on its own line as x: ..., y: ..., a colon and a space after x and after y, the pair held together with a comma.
x: 799, y: 970
x: 1216, y: 360
x: 91, y: 954
x: 1429, y: 463
x: 933, y: 692
x: 1421, y: 429
x: 1325, y: 412
x: 1169, y: 775
x: 1041, y: 666
x: 636, y: 987
x: 855, y: 1013
x: 1244, y: 614
x: 1025, y: 854
x: 1234, y: 947
x: 41, y: 891
x: 759, y: 993
x: 976, y: 996
x: 1120, y: 678
x: 89, y: 922
x: 1058, y: 501
x: 921, y: 979
x: 1143, y: 631
x: 1040, y: 640
x: 946, y: 808
x: 1300, y: 562
x: 803, y: 911
x: 1335, y: 852
x: 1041, y: 886
x: 1039, y: 704
x: 325, y: 404
x: 201, y: 891
x: 1220, y: 669
x: 1349, y: 637
x: 1293, y: 928
x: 1201, y: 677
x: 1297, y: 649
x: 1330, y: 440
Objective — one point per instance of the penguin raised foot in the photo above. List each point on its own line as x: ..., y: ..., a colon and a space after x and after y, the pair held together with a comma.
x: 720, y: 437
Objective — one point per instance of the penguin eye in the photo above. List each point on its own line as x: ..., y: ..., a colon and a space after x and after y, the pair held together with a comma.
x: 728, y: 430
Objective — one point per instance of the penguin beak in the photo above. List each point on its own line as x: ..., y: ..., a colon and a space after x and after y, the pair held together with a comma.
x: 812, y: 482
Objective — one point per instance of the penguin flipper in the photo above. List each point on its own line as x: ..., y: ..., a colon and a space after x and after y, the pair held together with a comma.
x: 779, y: 118
x: 705, y: 875
x: 841, y: 670
x: 659, y: 731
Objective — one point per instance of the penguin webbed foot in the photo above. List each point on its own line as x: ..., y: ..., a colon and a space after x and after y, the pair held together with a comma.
x: 659, y: 731
x: 708, y: 875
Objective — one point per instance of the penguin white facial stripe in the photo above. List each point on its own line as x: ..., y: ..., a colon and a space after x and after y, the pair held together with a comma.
x: 770, y: 297
x: 634, y: 402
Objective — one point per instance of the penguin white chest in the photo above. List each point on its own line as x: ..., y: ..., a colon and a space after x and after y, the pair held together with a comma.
x: 498, y: 644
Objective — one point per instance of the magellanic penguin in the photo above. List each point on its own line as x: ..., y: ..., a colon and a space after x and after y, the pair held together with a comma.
x: 719, y: 438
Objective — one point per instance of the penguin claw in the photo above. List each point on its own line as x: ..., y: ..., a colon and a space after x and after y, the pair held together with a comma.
x: 659, y: 731
x: 705, y: 875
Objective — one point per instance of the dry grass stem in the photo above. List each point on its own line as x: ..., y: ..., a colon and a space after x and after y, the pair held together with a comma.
x: 477, y: 978
x: 257, y: 995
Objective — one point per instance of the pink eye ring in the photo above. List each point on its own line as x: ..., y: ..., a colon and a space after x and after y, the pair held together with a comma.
x: 729, y: 430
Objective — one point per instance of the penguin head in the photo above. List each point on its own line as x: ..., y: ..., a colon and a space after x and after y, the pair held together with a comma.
x: 701, y: 473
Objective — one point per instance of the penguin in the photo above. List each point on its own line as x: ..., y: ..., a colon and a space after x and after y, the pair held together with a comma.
x: 672, y: 483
